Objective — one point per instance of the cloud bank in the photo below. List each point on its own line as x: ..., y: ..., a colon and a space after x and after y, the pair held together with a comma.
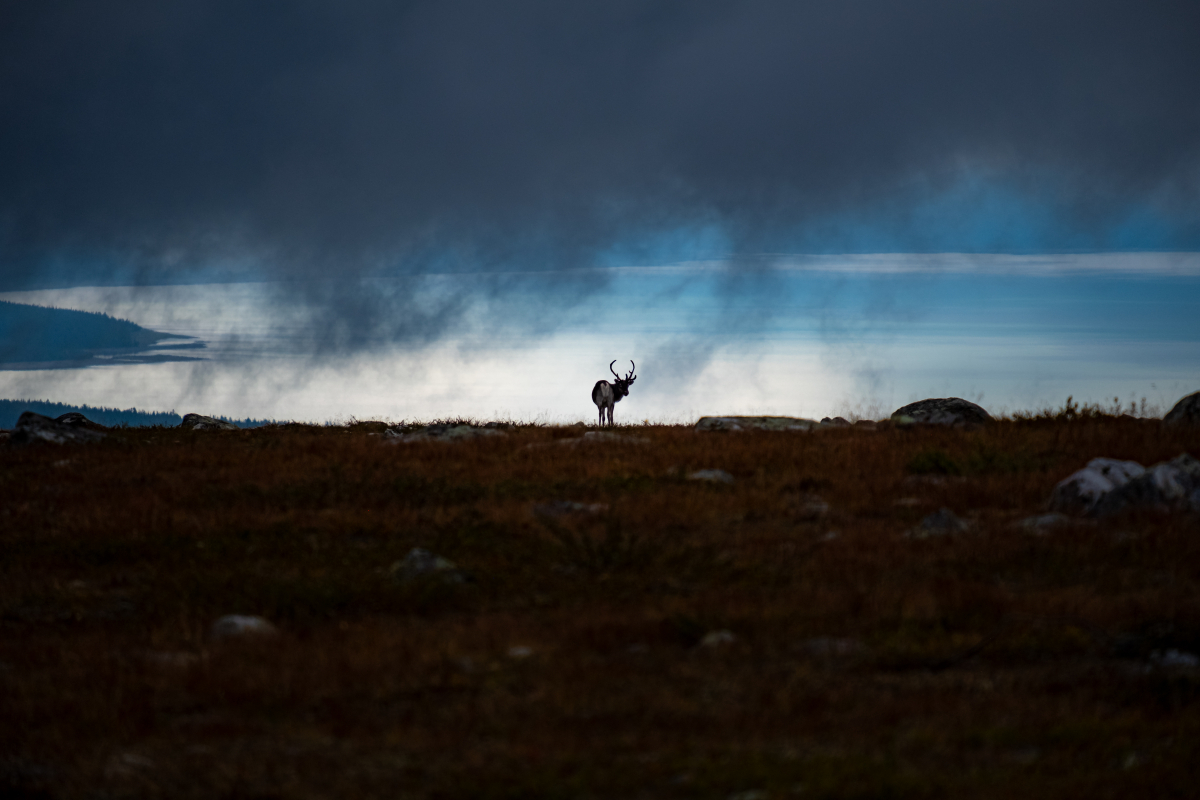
x: 326, y: 145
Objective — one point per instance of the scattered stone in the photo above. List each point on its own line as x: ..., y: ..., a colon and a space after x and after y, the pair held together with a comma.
x: 562, y: 508
x: 711, y: 475
x: 718, y: 638
x: 441, y: 432
x: 77, y: 420
x: 942, y: 522
x: 1082, y: 491
x: 941, y: 411
x: 1043, y: 523
x: 33, y: 427
x: 1177, y: 659
x: 1107, y: 486
x: 238, y: 625
x: 609, y: 438
x: 171, y: 660
x: 809, y: 507
x: 420, y: 563
x: 126, y: 765
x: 830, y: 647
x: 755, y: 423
x: 199, y: 422
x: 1185, y: 412
x: 836, y: 422
x: 520, y: 651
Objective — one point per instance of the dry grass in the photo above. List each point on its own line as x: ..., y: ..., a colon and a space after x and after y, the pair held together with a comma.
x: 989, y: 664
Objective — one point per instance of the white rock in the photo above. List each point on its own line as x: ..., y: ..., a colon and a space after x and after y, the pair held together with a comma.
x: 718, y: 638
x: 235, y: 625
x: 1082, y: 491
x: 711, y: 475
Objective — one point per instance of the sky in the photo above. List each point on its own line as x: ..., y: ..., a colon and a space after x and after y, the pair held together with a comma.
x: 472, y: 207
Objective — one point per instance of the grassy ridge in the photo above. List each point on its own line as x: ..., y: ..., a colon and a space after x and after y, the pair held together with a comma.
x: 985, y: 664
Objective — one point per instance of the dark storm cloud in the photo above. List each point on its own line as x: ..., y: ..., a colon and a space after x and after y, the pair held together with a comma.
x: 357, y: 139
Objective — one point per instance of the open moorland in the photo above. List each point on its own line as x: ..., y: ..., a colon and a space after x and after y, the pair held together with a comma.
x: 592, y: 620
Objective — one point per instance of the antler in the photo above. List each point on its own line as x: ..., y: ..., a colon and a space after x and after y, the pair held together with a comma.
x: 631, y: 377
x: 614, y: 372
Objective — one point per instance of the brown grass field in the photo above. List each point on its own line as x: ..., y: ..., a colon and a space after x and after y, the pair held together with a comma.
x: 992, y: 663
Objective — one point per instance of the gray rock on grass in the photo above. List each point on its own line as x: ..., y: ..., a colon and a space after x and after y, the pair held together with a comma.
x: 941, y: 411
x: 711, y: 475
x: 942, y: 522
x: 563, y: 508
x: 755, y: 423
x: 1107, y: 486
x: 1081, y: 492
x: 442, y: 432
x: 234, y: 626
x: 1185, y: 412
x: 421, y: 564
x: 1043, y: 523
x: 199, y: 422
x: 33, y: 428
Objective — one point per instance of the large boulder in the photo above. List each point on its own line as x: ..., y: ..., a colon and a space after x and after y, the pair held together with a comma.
x: 198, y: 422
x: 1106, y: 486
x: 33, y: 427
x: 77, y: 420
x: 755, y: 423
x: 1185, y: 412
x: 941, y: 411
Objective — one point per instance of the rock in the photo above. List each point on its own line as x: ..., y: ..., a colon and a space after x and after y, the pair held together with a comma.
x: 717, y: 638
x: 234, y: 626
x: 1107, y: 486
x: 77, y: 420
x: 836, y: 422
x: 608, y: 438
x: 33, y: 427
x: 942, y: 522
x: 866, y: 424
x: 441, y: 432
x: 1041, y: 523
x: 808, y: 507
x: 562, y: 508
x: 1172, y: 658
x: 1185, y: 412
x: 520, y: 651
x: 942, y: 411
x: 1168, y: 484
x: 829, y: 647
x: 711, y: 475
x: 1082, y: 491
x: 755, y: 423
x: 198, y: 422
x: 420, y: 563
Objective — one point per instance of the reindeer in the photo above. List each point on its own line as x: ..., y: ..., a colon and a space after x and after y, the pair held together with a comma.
x: 606, y: 395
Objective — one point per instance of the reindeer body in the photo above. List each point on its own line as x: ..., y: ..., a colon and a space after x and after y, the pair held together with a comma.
x: 606, y: 395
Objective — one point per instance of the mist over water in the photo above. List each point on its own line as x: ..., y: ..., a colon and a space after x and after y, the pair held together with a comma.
x: 802, y: 336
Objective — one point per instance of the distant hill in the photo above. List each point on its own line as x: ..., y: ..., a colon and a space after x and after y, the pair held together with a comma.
x: 41, y: 335
x: 10, y: 410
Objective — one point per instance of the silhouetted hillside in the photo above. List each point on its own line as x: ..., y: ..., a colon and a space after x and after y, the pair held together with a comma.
x: 41, y: 335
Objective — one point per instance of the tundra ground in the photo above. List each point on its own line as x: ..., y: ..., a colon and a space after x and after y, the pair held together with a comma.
x: 586, y: 653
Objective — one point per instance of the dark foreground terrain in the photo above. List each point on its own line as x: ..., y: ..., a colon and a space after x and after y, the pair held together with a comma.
x: 772, y: 637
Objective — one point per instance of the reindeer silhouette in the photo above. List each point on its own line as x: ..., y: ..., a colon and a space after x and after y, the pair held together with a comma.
x: 606, y: 395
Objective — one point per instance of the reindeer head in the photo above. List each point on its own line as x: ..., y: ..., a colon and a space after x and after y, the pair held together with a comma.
x: 621, y: 386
